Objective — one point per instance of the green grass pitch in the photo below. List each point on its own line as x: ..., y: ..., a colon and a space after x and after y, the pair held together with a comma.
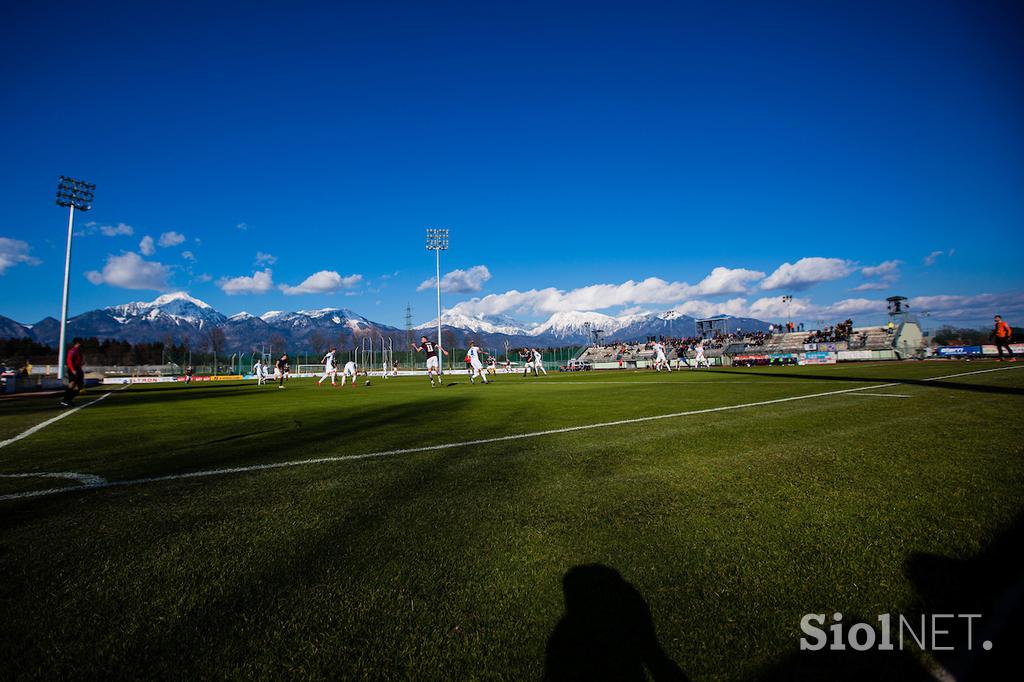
x: 448, y: 563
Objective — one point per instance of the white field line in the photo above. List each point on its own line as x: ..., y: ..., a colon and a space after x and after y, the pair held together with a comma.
x: 43, y: 425
x: 85, y: 479
x: 883, y: 395
x: 482, y: 441
x: 721, y: 382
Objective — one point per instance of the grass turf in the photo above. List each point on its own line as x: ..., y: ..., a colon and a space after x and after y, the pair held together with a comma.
x: 450, y: 563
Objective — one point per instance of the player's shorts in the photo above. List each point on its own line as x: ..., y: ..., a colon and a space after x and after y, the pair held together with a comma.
x: 661, y: 358
x: 350, y: 370
x: 432, y: 363
x: 477, y: 365
x: 328, y: 370
x: 537, y: 363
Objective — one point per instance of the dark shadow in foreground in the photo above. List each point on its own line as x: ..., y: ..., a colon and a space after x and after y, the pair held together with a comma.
x: 989, y: 585
x: 606, y: 633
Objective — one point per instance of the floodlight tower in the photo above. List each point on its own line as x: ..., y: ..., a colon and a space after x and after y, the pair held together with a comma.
x: 74, y: 194
x: 437, y: 241
x: 788, y: 300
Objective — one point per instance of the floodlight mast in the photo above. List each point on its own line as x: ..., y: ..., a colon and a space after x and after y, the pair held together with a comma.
x: 73, y: 194
x: 437, y: 241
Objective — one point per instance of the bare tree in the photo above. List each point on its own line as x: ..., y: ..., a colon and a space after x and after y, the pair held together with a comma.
x: 276, y: 341
x: 215, y: 341
x: 317, y: 342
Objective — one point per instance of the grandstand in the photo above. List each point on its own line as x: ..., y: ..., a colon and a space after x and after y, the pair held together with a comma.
x: 901, y: 341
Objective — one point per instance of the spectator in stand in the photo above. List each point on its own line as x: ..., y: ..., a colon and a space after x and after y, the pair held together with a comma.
x: 76, y: 373
x: 1001, y: 335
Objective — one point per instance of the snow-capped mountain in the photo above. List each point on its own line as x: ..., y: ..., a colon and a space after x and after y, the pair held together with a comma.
x: 179, y: 317
x: 324, y: 318
x: 178, y: 307
x: 485, y: 324
x: 576, y: 325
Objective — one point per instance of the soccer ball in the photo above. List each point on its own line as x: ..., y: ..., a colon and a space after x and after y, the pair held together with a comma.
x: 367, y: 383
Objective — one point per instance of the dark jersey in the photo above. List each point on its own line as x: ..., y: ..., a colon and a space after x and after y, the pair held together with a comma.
x: 429, y: 348
x: 282, y: 365
x: 74, y: 359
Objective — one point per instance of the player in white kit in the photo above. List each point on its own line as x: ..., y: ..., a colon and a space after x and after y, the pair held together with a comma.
x: 700, y: 359
x: 349, y: 371
x: 660, y: 359
x: 477, y: 366
x: 538, y: 362
x: 330, y: 367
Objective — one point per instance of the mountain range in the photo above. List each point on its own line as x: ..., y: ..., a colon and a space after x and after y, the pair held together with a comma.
x: 178, y: 317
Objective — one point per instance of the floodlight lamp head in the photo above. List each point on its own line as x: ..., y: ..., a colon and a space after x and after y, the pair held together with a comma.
x: 77, y: 194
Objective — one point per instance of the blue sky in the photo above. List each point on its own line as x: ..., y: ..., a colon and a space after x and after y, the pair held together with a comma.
x: 597, y: 156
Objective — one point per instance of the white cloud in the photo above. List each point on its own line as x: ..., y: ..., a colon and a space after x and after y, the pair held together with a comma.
x: 933, y: 257
x: 727, y: 281
x: 879, y: 285
x: 131, y: 271
x: 889, y: 268
x: 203, y: 277
x: 146, y: 246
x: 259, y: 283
x: 242, y: 226
x: 807, y: 271
x: 700, y: 308
x: 593, y: 297
x: 850, y: 307
x: 171, y: 239
x: 323, y: 282
x: 885, y: 273
x: 460, y: 281
x: 952, y: 307
x: 265, y: 258
x: 13, y: 252
x: 116, y: 230
x: 188, y: 255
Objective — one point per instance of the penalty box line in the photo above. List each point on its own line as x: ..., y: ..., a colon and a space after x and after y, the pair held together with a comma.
x: 468, y: 443
x: 43, y: 425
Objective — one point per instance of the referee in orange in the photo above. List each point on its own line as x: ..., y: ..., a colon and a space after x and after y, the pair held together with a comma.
x: 1001, y: 335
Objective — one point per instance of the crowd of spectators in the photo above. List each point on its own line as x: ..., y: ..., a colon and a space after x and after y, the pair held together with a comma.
x: 681, y: 345
x: 839, y: 332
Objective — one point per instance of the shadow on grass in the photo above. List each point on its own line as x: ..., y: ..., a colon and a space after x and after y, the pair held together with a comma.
x: 606, y: 633
x: 834, y: 378
x: 989, y: 585
x: 286, y: 598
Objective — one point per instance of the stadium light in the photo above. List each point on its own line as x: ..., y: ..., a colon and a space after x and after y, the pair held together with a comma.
x: 72, y: 194
x: 437, y: 241
x: 788, y: 300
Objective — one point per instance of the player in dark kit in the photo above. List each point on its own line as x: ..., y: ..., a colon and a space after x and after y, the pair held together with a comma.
x: 433, y: 365
x: 281, y: 370
x: 526, y: 355
x: 76, y: 373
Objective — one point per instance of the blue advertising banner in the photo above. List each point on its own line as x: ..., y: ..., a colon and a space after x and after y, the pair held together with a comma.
x: 957, y: 351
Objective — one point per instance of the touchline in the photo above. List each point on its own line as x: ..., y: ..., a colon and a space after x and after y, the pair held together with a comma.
x: 931, y: 632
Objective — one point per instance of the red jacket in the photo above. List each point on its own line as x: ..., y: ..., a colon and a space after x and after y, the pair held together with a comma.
x: 74, y: 358
x: 1003, y: 330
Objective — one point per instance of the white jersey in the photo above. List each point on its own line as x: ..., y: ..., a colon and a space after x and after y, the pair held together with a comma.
x: 474, y: 357
x: 329, y: 361
x: 350, y: 368
x: 537, y: 357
